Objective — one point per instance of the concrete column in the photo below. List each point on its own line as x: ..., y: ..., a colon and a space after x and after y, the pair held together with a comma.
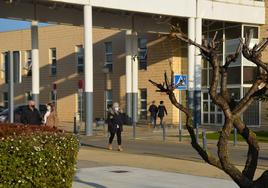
x: 88, y: 43
x: 198, y: 72
x: 128, y: 44
x: 135, y: 79
x: 35, y: 63
x: 191, y: 63
x: 11, y: 87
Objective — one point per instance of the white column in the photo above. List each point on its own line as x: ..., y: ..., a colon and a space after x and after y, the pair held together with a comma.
x: 198, y: 72
x: 191, y: 54
x: 135, y: 79
x: 191, y: 63
x: 198, y: 58
x: 35, y: 63
x: 88, y: 53
x: 128, y: 45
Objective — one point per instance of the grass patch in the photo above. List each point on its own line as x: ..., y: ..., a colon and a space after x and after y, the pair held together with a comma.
x: 262, y: 136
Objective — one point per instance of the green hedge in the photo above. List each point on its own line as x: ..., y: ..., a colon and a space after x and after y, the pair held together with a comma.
x: 36, y: 157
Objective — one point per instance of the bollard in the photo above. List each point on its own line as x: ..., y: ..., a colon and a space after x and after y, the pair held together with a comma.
x: 180, y: 135
x: 197, y: 134
x: 235, y: 136
x: 75, y: 126
x: 204, y: 137
x: 164, y: 132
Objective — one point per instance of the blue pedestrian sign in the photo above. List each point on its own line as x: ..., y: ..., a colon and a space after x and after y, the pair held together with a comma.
x: 180, y: 82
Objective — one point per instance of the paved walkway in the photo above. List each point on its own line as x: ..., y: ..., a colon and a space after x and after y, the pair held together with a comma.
x: 129, y: 177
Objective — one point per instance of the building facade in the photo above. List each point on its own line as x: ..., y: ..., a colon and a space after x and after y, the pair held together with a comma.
x: 133, y: 18
x: 62, y: 66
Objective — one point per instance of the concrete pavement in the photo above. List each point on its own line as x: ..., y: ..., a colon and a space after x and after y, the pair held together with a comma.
x: 122, y: 177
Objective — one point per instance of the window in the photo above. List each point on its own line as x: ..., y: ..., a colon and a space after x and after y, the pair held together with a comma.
x: 5, y: 99
x: 142, y: 50
x: 254, y: 30
x: 234, y: 75
x: 17, y: 67
x: 109, y: 56
x: 249, y: 74
x: 143, y: 104
x: 53, y: 61
x: 108, y: 98
x: 80, y: 59
x: 28, y: 96
x: 211, y: 114
x: 251, y: 116
x: 28, y: 63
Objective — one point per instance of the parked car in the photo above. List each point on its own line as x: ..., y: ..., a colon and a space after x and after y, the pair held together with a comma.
x: 2, y: 108
x: 18, y: 111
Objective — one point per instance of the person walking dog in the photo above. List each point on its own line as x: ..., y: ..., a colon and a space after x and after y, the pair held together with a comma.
x: 115, y: 122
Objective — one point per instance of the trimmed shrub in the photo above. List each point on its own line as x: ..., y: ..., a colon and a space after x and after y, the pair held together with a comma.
x: 35, y: 156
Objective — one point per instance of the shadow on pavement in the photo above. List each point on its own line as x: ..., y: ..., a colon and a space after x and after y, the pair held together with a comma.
x: 94, y: 185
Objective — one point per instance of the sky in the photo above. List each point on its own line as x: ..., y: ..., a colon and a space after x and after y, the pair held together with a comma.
x: 9, y: 25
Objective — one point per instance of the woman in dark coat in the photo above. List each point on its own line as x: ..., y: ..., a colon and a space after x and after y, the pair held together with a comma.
x: 115, y: 125
x: 161, y: 112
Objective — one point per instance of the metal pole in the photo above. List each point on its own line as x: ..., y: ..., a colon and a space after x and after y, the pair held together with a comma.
x: 180, y: 119
x: 235, y: 136
x: 197, y: 133
x: 204, y: 136
x: 75, y: 127
x: 135, y: 90
x: 81, y: 110
x: 11, y: 87
x: 164, y: 132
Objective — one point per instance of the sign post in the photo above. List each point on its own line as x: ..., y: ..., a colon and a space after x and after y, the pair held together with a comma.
x: 54, y: 92
x: 80, y: 107
x: 180, y: 82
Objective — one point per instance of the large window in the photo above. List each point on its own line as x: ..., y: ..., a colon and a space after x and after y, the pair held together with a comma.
x: 28, y: 63
x: 5, y: 99
x: 251, y: 116
x: 212, y: 115
x: 108, y: 98
x: 80, y: 58
x: 109, y: 56
x: 142, y: 50
x: 253, y: 29
x: 143, y: 104
x: 53, y: 61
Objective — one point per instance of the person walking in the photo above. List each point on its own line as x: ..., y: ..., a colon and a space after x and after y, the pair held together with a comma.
x: 162, y: 111
x: 30, y: 115
x: 153, y: 113
x: 115, y: 122
x: 51, y: 118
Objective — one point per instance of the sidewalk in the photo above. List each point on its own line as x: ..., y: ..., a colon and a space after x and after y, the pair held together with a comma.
x: 91, y: 157
x: 122, y: 177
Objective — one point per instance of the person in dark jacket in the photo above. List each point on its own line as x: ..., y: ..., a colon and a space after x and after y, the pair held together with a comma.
x: 162, y: 111
x: 30, y: 115
x: 115, y: 122
x: 153, y: 113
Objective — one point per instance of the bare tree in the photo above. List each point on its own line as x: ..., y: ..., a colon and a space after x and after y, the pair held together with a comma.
x: 209, y: 50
